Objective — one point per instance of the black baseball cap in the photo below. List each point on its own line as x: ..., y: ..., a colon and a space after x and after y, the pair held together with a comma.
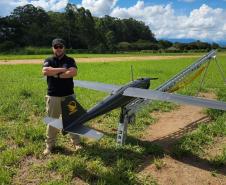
x: 58, y: 41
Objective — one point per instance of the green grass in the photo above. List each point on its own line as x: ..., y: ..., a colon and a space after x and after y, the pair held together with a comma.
x: 7, y: 57
x: 22, y: 135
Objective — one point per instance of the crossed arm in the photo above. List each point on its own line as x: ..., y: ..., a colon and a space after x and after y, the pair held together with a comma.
x: 59, y: 72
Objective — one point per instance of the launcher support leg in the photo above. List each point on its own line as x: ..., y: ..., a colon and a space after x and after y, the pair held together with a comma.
x: 203, y: 78
x: 122, y: 127
x: 220, y: 70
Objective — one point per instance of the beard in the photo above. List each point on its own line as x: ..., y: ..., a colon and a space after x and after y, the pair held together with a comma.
x: 59, y: 54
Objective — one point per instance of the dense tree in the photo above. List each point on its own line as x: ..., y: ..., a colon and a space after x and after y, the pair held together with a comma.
x: 32, y: 23
x: 164, y: 44
x: 57, y: 27
x: 215, y: 45
x: 87, y: 31
x: 72, y: 28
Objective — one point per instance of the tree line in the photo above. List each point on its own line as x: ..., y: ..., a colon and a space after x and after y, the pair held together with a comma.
x: 33, y: 26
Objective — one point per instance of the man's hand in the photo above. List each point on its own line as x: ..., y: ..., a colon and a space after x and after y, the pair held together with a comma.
x: 69, y: 73
x: 50, y: 71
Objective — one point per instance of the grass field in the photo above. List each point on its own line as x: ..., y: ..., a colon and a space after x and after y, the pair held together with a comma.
x: 130, y: 54
x: 22, y: 134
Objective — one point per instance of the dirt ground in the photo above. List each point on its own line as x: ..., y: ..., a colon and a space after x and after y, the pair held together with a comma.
x: 171, y: 126
x: 99, y: 59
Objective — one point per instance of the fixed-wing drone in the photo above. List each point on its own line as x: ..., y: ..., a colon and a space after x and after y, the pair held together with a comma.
x: 125, y: 97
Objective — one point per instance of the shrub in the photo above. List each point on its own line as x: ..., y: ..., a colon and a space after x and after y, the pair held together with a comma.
x: 7, y: 45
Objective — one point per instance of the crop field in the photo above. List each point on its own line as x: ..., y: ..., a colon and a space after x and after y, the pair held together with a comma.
x: 22, y: 131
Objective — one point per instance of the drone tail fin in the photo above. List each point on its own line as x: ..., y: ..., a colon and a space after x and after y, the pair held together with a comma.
x: 71, y: 110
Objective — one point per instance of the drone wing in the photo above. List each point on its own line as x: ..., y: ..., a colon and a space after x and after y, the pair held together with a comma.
x: 57, y: 123
x: 86, y: 132
x: 78, y: 130
x: 181, y: 99
x: 97, y: 86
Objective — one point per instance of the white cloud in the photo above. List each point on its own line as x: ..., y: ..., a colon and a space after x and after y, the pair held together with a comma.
x: 224, y: 27
x: 99, y: 7
x: 6, y: 7
x: 202, y: 23
x: 9, y: 5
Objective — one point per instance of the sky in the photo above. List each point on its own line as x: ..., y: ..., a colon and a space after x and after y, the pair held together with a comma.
x: 175, y: 19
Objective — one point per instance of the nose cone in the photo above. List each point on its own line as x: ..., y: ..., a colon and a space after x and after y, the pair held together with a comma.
x: 145, y: 82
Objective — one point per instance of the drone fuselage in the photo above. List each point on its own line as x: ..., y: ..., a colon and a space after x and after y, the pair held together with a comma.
x: 111, y: 102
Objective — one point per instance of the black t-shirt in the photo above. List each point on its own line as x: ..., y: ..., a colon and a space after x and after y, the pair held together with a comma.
x: 60, y: 86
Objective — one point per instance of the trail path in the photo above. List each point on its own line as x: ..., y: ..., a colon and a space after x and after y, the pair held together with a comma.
x: 100, y: 59
x: 169, y: 128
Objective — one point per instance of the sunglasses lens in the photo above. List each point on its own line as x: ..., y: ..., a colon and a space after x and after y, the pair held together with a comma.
x: 58, y: 46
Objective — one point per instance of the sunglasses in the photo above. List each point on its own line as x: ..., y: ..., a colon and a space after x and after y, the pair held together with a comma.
x: 58, y: 46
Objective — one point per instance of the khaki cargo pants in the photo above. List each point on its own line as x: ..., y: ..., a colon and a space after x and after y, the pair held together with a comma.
x: 53, y: 109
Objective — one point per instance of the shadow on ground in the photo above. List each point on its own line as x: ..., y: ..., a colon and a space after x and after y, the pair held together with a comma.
x: 168, y: 142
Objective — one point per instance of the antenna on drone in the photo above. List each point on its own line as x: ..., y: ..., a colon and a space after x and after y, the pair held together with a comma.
x: 131, y: 67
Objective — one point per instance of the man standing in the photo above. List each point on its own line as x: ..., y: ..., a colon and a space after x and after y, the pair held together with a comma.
x: 60, y: 70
